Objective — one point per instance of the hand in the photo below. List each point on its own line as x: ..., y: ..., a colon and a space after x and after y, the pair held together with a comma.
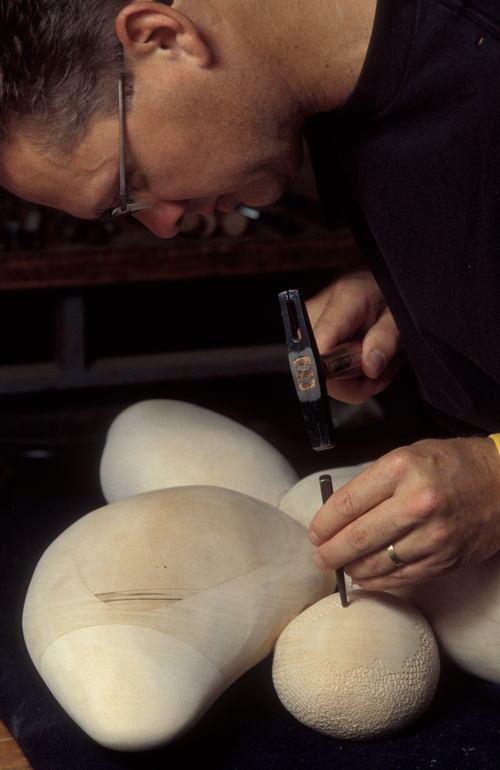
x: 353, y: 306
x: 436, y: 501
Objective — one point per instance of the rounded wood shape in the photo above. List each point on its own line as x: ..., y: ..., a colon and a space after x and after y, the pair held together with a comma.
x: 143, y: 612
x: 358, y: 672
x: 161, y: 443
x: 303, y: 500
x: 463, y: 608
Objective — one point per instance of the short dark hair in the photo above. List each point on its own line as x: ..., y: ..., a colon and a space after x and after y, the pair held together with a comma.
x: 59, y: 64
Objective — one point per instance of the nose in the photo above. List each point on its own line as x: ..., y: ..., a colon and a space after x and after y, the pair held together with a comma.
x: 164, y: 218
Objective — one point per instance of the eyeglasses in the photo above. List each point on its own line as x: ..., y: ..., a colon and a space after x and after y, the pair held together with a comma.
x: 127, y: 205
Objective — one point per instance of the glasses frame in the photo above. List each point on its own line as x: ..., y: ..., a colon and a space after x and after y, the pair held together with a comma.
x: 127, y: 205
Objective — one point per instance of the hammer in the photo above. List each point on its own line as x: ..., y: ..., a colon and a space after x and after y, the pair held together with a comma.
x: 311, y: 371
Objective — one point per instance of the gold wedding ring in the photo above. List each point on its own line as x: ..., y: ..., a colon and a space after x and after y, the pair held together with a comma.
x: 391, y: 553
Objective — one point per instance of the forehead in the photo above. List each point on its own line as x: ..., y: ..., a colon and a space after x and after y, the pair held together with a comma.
x: 75, y: 181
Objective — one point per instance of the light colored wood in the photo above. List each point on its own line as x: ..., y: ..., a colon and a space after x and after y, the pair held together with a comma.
x: 358, y: 672
x: 164, y: 443
x: 141, y: 613
x: 303, y: 499
x: 463, y: 608
x: 11, y: 756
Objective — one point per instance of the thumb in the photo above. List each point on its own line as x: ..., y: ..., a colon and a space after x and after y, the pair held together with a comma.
x: 380, y: 345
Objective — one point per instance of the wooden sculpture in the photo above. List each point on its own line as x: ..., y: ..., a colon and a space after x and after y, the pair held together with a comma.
x: 358, y: 672
x: 144, y: 611
x: 163, y: 443
x: 463, y: 608
x: 303, y: 500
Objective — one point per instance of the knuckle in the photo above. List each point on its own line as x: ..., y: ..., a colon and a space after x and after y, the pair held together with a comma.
x: 343, y: 292
x: 427, y: 502
x: 399, y: 461
x: 357, y: 536
x: 344, y: 504
x: 319, y: 528
x: 440, y: 539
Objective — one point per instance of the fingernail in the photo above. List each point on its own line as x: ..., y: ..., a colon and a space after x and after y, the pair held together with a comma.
x: 314, y: 538
x: 319, y: 561
x: 376, y: 361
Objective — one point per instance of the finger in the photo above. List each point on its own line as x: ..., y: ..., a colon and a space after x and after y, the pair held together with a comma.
x: 357, y: 390
x: 336, y: 323
x: 405, y: 550
x: 316, y: 304
x: 366, y: 536
x: 380, y: 346
x: 409, y: 574
x: 361, y: 494
x: 339, y: 312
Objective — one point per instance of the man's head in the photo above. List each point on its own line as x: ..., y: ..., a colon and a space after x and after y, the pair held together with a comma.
x: 217, y: 95
x: 208, y: 121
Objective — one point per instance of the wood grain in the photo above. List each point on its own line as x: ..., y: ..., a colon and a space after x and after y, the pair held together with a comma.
x: 137, y: 673
x: 11, y: 756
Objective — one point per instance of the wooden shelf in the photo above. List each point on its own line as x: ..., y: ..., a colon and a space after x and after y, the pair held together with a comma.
x: 124, y: 261
x: 282, y: 243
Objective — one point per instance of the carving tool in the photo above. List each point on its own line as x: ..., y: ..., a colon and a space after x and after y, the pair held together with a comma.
x: 310, y: 370
x: 325, y: 483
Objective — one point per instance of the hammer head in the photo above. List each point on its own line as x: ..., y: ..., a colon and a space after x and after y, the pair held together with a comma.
x: 307, y: 370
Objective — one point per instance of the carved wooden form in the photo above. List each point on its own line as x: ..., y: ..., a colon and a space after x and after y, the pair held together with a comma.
x: 463, y: 608
x: 141, y: 613
x: 162, y: 443
x: 357, y: 672
x: 303, y: 500
x: 144, y: 611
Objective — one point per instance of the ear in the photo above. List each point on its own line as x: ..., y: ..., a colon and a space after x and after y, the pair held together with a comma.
x: 150, y: 28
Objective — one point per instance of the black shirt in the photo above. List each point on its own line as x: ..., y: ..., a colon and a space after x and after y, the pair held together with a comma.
x: 414, y: 158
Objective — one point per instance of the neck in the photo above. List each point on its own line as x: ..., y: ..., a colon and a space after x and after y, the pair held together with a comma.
x: 316, y: 48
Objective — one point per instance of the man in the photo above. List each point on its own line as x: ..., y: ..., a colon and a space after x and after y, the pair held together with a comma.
x: 401, y: 107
